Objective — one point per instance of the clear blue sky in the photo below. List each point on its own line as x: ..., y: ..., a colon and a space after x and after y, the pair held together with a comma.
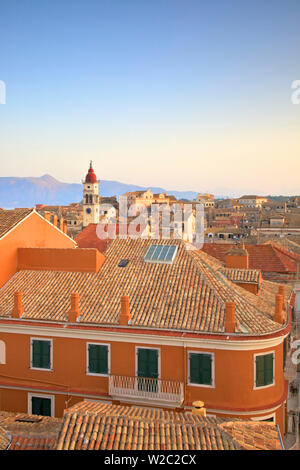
x: 184, y: 94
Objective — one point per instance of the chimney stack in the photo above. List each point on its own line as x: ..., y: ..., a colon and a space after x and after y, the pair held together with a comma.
x: 61, y: 224
x: 65, y: 227
x: 230, y: 317
x: 125, y: 312
x: 281, y: 291
x: 47, y: 216
x: 198, y: 408
x: 278, y: 316
x: 18, y: 309
x: 237, y: 257
x: 74, y: 312
x: 55, y: 220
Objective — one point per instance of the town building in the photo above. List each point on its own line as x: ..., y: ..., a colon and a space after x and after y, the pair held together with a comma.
x: 252, y: 201
x: 152, y: 323
x: 208, y: 200
x: 224, y: 218
x: 21, y: 228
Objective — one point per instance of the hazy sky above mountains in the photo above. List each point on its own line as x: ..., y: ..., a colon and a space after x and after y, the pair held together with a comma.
x: 183, y: 94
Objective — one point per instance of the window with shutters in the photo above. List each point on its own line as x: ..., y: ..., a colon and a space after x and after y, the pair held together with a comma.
x: 201, y: 369
x: 41, y: 354
x: 147, y: 369
x: 42, y: 405
x: 264, y: 370
x: 97, y: 359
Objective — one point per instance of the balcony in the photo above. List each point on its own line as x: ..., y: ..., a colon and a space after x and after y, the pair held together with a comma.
x: 146, y: 390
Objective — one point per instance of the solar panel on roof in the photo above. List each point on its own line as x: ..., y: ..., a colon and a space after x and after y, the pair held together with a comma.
x: 161, y: 254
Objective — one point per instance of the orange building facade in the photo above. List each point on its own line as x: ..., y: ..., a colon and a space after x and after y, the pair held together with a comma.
x: 26, y: 228
x: 233, y: 391
x: 135, y: 329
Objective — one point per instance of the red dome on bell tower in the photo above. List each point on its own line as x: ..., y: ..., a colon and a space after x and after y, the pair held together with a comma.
x: 91, y: 176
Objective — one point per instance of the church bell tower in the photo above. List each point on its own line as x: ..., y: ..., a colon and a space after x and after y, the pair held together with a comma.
x: 91, y: 198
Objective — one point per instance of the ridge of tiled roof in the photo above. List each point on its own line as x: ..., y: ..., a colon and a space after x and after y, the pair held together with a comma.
x: 242, y: 275
x: 291, y: 245
x: 282, y: 250
x: 137, y: 412
x: 10, y: 218
x: 188, y: 295
x: 100, y: 426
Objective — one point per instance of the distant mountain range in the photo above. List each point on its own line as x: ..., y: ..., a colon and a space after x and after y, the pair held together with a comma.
x: 27, y: 192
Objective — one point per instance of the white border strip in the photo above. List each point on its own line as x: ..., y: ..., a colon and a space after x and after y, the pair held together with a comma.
x: 126, y: 337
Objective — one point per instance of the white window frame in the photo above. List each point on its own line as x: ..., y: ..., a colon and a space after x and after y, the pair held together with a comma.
x: 39, y: 395
x: 255, y: 387
x: 2, y: 352
x: 87, y: 359
x: 49, y: 340
x: 212, y: 369
x: 136, y: 359
x: 262, y: 418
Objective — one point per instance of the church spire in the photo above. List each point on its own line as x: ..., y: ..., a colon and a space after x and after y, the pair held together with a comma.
x: 91, y: 176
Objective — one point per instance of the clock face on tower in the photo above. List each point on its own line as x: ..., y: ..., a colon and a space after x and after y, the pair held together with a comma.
x: 89, y: 210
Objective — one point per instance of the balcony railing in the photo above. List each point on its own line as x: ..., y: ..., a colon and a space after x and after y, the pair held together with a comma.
x: 144, y: 389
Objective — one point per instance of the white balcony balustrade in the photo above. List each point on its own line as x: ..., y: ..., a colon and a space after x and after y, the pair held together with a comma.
x: 146, y: 390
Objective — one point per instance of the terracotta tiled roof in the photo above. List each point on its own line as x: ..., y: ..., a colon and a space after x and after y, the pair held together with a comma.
x: 254, y: 435
x: 93, y: 426
x: 4, y: 439
x: 252, y: 276
x: 88, y: 239
x: 10, y: 218
x: 138, y: 412
x: 287, y: 243
x: 31, y: 432
x: 32, y: 443
x: 188, y: 295
x: 267, y: 257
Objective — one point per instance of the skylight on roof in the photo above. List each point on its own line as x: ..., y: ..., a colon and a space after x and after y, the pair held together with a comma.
x: 123, y: 263
x: 161, y: 254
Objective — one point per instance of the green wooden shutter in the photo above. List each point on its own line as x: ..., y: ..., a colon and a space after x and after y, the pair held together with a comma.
x: 195, y: 368
x: 264, y: 370
x: 142, y: 363
x: 41, y: 354
x: 46, y: 407
x: 201, y: 369
x: 36, y: 405
x: 260, y: 371
x: 148, y: 363
x: 153, y: 363
x: 268, y: 366
x: 98, y: 359
x: 206, y: 374
x: 45, y: 354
